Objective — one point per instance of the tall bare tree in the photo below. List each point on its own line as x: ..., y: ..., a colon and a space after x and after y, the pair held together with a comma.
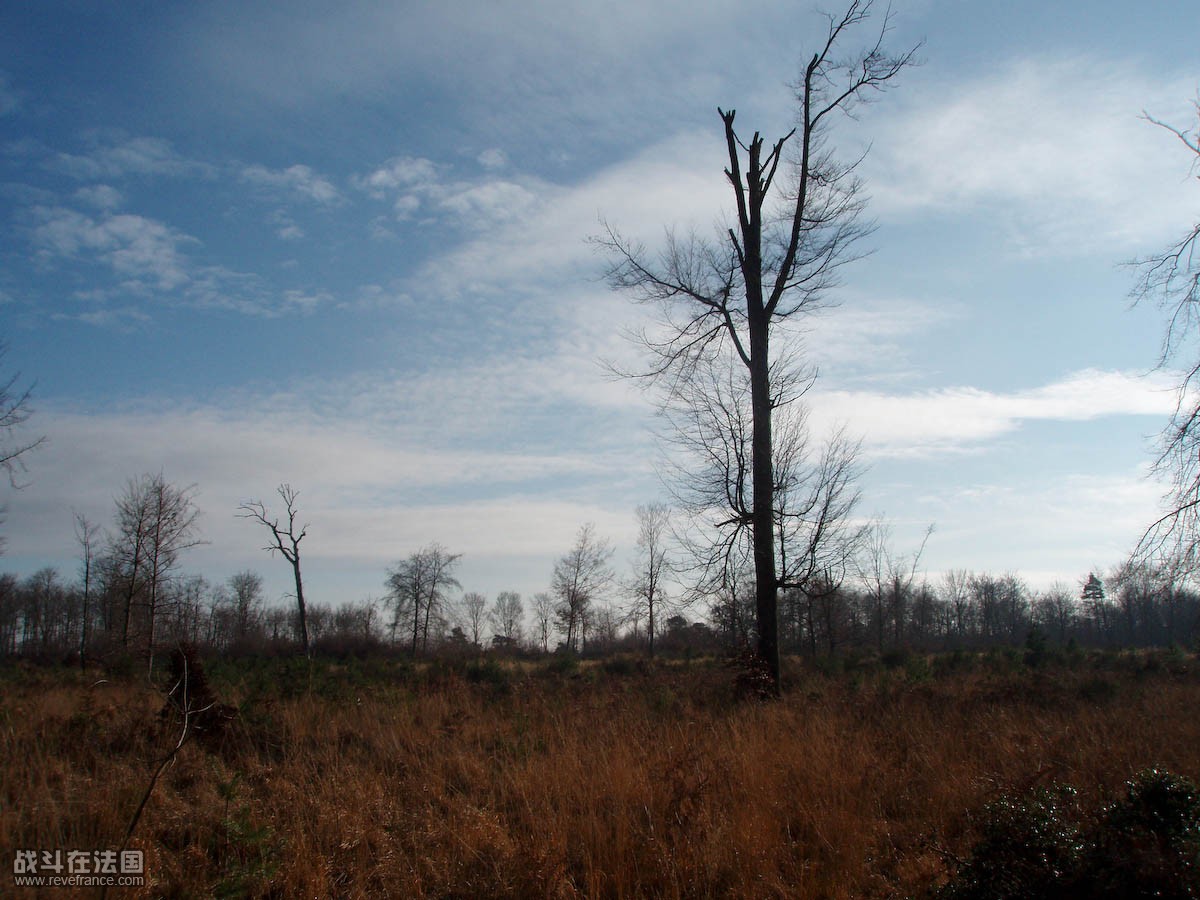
x: 285, y: 540
x: 1172, y: 279
x: 86, y: 533
x: 721, y: 301
x: 417, y: 589
x: 156, y: 522
x: 474, y: 614
x: 543, y: 615
x: 815, y: 492
x: 651, y: 567
x: 246, y: 598
x: 580, y: 578
x: 507, y: 614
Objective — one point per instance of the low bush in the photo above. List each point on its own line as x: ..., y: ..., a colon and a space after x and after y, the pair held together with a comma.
x: 1041, y: 846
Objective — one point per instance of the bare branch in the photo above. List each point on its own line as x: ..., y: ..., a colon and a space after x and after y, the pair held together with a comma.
x: 1172, y: 280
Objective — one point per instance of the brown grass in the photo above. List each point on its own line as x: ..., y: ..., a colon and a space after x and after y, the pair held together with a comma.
x: 651, y: 783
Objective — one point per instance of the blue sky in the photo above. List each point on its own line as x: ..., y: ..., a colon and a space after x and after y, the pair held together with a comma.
x: 344, y: 246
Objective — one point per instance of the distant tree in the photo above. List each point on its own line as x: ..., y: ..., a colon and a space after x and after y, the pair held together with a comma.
x: 1014, y: 599
x: 285, y: 540
x: 543, y: 612
x: 1054, y: 611
x: 723, y: 302
x: 156, y: 522
x: 986, y: 596
x: 888, y: 578
x: 87, y: 534
x: 580, y: 577
x: 733, y: 612
x: 1172, y: 279
x: 1096, y: 605
x: 246, y: 596
x: 356, y: 621
x: 603, y: 623
x: 924, y: 618
x: 192, y: 619
x: 650, y: 565
x: 277, y: 622
x: 507, y: 615
x: 417, y: 591
x: 320, y: 621
x: 43, y: 594
x: 10, y: 614
x: 956, y: 592
x: 474, y: 613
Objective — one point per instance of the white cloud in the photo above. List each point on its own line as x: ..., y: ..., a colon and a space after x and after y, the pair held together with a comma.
x: 133, y: 246
x: 493, y: 158
x: 865, y: 332
x: 120, y: 318
x: 298, y: 179
x: 147, y: 259
x: 119, y: 157
x: 489, y: 204
x: 100, y: 196
x: 398, y: 173
x: 286, y: 228
x: 479, y: 205
x: 674, y: 183
x: 10, y: 98
x: 956, y: 419
x: 1053, y: 151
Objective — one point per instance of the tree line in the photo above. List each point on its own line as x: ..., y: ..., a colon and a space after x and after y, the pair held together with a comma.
x: 131, y: 599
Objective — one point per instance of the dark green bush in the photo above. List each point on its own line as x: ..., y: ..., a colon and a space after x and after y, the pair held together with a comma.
x: 491, y: 674
x: 1040, y: 846
x: 1148, y: 844
x: 1030, y: 845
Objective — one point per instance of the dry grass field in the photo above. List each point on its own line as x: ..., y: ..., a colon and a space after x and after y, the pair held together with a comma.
x: 378, y: 778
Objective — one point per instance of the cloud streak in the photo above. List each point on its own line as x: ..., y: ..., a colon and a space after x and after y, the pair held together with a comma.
x: 960, y: 419
x: 297, y: 179
x: 121, y: 157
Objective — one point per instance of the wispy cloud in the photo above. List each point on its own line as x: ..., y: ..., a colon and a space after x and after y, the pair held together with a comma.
x: 958, y: 419
x: 415, y: 185
x: 539, y: 230
x: 115, y: 156
x: 134, y: 247
x: 10, y: 97
x: 559, y: 65
x: 493, y: 158
x: 1046, y: 529
x: 100, y: 196
x: 149, y: 259
x: 297, y: 179
x: 870, y: 337
x: 1054, y: 151
x: 373, y: 491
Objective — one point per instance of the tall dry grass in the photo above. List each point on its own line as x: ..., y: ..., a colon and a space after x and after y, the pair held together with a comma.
x: 534, y: 784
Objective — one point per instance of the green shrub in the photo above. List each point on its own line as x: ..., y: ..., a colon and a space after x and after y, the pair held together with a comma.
x: 1029, y: 846
x: 565, y: 663
x: 1148, y: 844
x: 896, y: 658
x: 490, y: 673
x: 1040, y: 846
